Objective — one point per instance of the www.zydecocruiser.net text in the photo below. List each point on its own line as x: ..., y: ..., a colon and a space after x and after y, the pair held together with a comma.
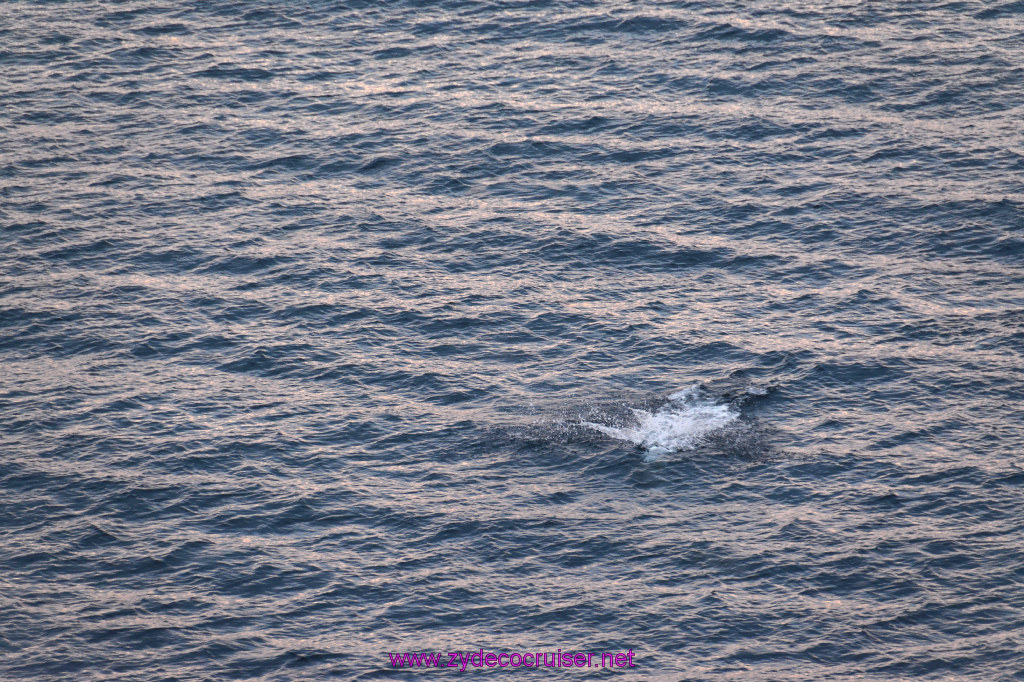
x: 531, y: 659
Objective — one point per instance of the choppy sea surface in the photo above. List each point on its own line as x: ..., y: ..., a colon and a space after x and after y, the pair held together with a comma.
x: 332, y: 329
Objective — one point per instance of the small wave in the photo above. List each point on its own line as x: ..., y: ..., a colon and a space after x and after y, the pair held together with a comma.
x: 682, y: 423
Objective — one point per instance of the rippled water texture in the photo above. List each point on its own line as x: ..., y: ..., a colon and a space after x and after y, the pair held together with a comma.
x: 337, y: 329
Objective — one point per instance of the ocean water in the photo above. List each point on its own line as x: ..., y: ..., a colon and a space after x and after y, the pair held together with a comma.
x: 333, y: 329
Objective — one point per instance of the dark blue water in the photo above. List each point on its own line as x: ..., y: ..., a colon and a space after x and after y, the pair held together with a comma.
x: 331, y: 329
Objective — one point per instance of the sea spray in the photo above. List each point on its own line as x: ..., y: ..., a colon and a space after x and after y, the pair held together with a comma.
x: 680, y: 424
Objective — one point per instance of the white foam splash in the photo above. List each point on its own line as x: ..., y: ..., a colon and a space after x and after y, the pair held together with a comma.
x: 680, y: 424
